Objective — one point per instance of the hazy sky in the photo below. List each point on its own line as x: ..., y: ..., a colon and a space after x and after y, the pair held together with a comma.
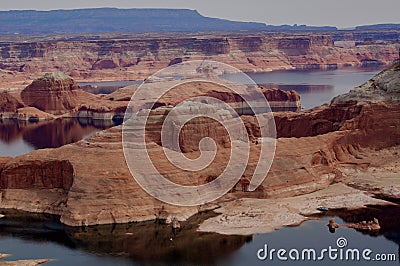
x: 341, y: 13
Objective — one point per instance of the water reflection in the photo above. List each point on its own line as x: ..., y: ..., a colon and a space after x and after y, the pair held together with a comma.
x: 149, y: 243
x: 146, y: 242
x: 20, y: 137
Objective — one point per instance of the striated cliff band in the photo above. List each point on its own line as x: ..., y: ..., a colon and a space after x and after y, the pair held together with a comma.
x: 134, y: 57
x: 344, y: 154
x: 56, y: 95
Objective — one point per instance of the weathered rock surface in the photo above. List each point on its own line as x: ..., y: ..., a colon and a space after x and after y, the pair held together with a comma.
x: 35, y: 174
x: 372, y: 106
x: 32, y: 114
x: 139, y: 58
x: 4, y: 161
x: 380, y: 177
x: 103, y: 191
x: 53, y: 93
x: 279, y: 100
x: 9, y: 105
x: 258, y: 216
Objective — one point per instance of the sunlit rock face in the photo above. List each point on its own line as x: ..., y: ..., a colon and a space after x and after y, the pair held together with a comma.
x: 54, y: 93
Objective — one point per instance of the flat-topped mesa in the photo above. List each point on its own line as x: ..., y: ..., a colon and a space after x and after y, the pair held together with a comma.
x: 54, y: 93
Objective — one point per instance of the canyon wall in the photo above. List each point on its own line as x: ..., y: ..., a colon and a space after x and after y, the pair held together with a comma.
x: 138, y: 58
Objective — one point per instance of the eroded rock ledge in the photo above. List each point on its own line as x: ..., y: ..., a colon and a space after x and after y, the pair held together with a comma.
x: 355, y: 126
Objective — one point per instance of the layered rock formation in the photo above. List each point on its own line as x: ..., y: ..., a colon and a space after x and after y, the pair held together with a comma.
x: 56, y: 94
x: 8, y: 105
x: 32, y: 174
x: 103, y: 190
x: 53, y: 93
x: 279, y: 100
x: 139, y: 57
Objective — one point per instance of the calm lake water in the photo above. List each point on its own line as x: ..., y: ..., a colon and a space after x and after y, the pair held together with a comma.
x: 106, y: 87
x: 315, y: 87
x: 153, y: 244
x: 35, y: 237
x: 20, y: 137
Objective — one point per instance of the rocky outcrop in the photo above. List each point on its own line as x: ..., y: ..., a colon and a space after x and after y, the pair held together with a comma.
x: 53, y: 93
x: 3, y: 162
x: 12, y: 108
x: 363, y: 107
x: 105, y: 64
x: 103, y: 190
x: 279, y: 100
x: 8, y: 105
x: 32, y: 114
